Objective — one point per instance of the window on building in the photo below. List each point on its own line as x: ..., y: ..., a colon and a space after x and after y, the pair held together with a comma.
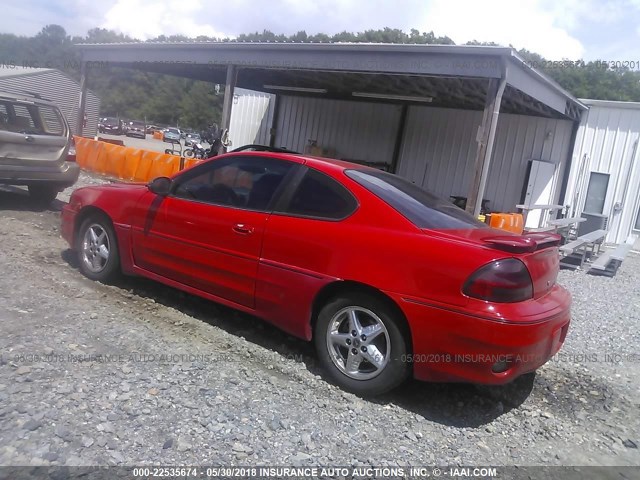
x: 596, y: 192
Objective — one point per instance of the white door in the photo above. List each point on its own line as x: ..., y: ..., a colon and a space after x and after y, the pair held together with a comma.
x: 539, y: 190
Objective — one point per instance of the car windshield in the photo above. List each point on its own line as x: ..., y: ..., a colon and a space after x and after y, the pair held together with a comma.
x: 137, y: 124
x: 173, y: 130
x: 424, y: 209
x: 111, y: 120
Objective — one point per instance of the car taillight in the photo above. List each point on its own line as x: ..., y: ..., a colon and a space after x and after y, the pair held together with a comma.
x: 502, y: 281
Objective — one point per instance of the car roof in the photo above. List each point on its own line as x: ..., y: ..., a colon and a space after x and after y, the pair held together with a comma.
x: 327, y: 165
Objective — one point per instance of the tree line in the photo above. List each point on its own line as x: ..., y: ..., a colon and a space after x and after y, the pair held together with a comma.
x: 168, y: 100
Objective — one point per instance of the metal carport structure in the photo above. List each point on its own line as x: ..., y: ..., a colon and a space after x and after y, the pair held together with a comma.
x: 493, y: 80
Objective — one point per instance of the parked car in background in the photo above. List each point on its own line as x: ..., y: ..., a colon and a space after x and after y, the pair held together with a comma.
x: 34, y: 144
x: 152, y: 128
x: 171, y: 134
x: 112, y: 125
x: 136, y: 128
x: 387, y: 279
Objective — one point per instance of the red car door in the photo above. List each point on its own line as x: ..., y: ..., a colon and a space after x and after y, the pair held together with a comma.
x: 208, y: 232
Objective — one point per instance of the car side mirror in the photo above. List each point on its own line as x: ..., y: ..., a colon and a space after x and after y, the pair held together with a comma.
x: 160, y: 186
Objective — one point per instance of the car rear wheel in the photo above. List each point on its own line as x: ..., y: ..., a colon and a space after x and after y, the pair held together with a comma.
x: 43, y: 194
x: 98, y: 249
x: 361, y: 345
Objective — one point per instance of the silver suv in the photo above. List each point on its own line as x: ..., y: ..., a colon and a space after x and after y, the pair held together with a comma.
x: 34, y: 142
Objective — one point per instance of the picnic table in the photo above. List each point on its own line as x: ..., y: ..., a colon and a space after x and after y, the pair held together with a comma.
x: 610, y: 260
x: 527, y: 208
x: 565, y: 225
x: 584, y: 243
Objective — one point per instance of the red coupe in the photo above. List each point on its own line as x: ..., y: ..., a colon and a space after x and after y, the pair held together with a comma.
x: 387, y: 279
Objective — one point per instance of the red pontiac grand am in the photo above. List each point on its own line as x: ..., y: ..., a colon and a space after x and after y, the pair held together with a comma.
x: 387, y: 279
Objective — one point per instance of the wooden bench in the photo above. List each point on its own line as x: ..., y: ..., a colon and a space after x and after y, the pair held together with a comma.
x: 566, y: 227
x: 566, y: 222
x: 569, y: 248
x: 608, y: 263
x: 621, y: 251
x: 602, y: 262
x: 582, y: 244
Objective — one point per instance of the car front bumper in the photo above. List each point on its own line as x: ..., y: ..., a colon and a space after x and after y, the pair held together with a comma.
x: 64, y: 174
x: 455, y: 346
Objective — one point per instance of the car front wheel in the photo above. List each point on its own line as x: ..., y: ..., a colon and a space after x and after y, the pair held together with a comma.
x: 98, y: 249
x: 361, y: 345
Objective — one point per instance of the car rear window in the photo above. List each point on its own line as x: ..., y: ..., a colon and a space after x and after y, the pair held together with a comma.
x: 424, y: 209
x: 23, y: 117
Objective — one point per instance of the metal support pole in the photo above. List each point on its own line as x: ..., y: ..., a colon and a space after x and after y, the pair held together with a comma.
x: 486, y: 138
x: 273, y: 130
x: 227, y: 102
x: 82, y: 101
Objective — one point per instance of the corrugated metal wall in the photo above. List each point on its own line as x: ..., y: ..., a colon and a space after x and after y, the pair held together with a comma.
x: 251, y: 117
x: 439, y: 148
x: 608, y: 136
x: 359, y: 131
x: 63, y: 91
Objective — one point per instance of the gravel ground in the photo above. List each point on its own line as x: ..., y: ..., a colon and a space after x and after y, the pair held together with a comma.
x: 138, y: 373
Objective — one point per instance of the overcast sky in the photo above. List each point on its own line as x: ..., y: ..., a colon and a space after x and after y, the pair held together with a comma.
x: 556, y: 29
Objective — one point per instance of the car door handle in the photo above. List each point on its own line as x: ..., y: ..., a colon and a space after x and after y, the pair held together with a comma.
x: 242, y: 229
x: 29, y: 138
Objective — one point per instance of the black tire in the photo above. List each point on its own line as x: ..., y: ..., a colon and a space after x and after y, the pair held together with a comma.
x: 394, y: 347
x: 104, y: 270
x: 188, y: 153
x: 43, y: 194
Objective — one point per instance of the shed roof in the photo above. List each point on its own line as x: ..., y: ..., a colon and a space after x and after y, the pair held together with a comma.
x: 611, y: 103
x: 449, y: 75
x: 17, y: 70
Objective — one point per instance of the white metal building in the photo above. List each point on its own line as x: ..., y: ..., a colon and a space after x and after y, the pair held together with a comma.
x: 56, y: 86
x: 437, y: 145
x: 605, y: 172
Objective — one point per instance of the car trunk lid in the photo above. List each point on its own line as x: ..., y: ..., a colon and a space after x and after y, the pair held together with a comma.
x: 538, y: 251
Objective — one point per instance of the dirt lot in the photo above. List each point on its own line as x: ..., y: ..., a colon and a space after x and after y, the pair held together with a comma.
x: 138, y: 373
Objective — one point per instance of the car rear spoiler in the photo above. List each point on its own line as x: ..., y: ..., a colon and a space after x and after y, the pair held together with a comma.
x: 526, y: 243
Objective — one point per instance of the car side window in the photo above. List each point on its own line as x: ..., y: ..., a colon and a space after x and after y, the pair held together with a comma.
x: 243, y: 182
x: 320, y: 196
